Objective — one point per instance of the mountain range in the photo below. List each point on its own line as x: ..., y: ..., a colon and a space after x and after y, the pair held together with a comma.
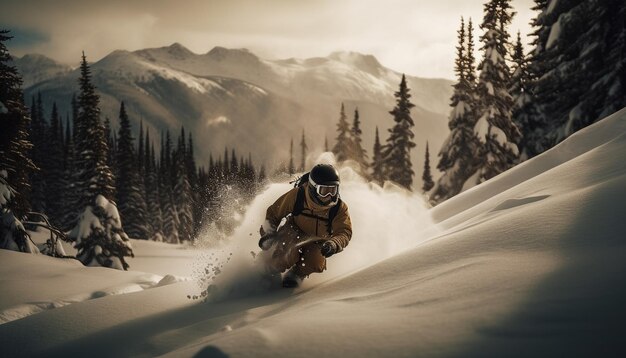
x: 231, y: 97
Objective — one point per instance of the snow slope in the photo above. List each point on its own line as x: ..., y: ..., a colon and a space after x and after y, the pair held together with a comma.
x: 530, y: 263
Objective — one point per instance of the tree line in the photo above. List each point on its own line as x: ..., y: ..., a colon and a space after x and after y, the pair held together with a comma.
x: 522, y: 104
x: 72, y: 170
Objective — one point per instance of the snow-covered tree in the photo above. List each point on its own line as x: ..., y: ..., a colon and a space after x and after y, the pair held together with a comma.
x: 397, y: 151
x: 578, y: 68
x: 357, y: 153
x: 154, y: 216
x: 427, y: 177
x: 457, y: 159
x: 520, y: 91
x: 15, y: 145
x: 343, y: 143
x: 98, y: 234
x: 53, y: 168
x: 99, y: 237
x: 130, y: 196
x: 495, y: 128
x: 13, y: 236
x: 39, y: 153
x: 183, y: 199
x: 69, y: 205
x: 93, y: 175
x: 378, y: 165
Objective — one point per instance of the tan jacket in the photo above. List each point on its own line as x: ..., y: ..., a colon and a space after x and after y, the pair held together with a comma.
x: 342, y: 227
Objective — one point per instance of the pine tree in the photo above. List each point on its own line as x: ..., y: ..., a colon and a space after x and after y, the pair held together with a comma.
x: 93, y: 175
x: 584, y: 57
x: 533, y: 126
x: 130, y: 196
x: 377, y: 162
x: 168, y: 208
x: 15, y: 145
x: 105, y: 242
x: 519, y: 89
x: 155, y: 218
x: 326, y: 144
x: 183, y: 198
x: 343, y: 144
x: 53, y: 168
x: 70, y: 197
x: 292, y: 168
x: 427, y: 177
x: 303, y: 150
x: 38, y: 138
x: 357, y: 153
x: 495, y: 128
x: 396, y: 154
x: 456, y: 157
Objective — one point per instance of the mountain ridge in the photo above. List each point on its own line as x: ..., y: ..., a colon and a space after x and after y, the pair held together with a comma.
x: 170, y: 86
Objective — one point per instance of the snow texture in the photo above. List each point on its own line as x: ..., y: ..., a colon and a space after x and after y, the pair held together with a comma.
x: 528, y: 263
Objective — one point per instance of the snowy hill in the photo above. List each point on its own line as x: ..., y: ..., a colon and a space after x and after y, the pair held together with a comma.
x: 36, y: 68
x: 530, y: 263
x: 229, y: 96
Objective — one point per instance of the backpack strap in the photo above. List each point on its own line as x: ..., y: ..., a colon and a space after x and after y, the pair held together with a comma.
x: 299, y: 206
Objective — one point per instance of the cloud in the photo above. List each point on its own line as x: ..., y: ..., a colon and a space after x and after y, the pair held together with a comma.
x: 416, y: 37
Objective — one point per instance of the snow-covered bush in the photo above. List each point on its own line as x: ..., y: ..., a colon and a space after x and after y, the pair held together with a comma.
x: 13, y: 236
x: 100, y: 238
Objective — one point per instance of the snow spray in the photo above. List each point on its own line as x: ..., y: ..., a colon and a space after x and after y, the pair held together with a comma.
x: 385, y: 221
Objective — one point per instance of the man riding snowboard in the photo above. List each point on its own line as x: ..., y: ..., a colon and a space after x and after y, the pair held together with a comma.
x: 317, y: 226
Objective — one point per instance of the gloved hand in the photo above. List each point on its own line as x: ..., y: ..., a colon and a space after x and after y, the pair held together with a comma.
x: 266, y: 241
x: 329, y: 248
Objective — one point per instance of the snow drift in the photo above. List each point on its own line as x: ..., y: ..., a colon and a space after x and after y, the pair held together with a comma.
x: 529, y: 263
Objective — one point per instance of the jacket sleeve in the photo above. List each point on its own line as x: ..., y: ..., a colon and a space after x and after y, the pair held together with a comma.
x: 281, y: 207
x: 342, y: 228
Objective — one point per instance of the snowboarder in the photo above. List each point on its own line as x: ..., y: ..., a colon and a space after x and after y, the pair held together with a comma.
x: 317, y: 225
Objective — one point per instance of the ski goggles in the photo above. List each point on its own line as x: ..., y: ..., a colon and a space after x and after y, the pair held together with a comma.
x: 325, y: 190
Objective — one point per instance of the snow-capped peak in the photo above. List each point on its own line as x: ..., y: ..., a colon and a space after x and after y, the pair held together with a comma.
x: 173, y: 51
x: 241, y: 55
x: 367, y: 63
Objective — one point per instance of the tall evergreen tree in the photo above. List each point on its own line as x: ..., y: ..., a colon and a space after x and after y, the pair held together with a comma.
x: 457, y: 159
x: 53, y: 168
x: 130, y: 196
x: 427, y: 177
x: 519, y: 90
x: 154, y: 216
x: 343, y: 143
x: 183, y: 197
x: 168, y: 208
x: 38, y: 138
x: 579, y: 60
x: 70, y: 195
x: 105, y: 242
x: 108, y: 134
x: 397, y: 151
x: 15, y: 145
x: 326, y: 144
x: 495, y: 128
x: 357, y: 153
x: 303, y: 150
x: 378, y: 174
x: 292, y: 168
x: 93, y: 175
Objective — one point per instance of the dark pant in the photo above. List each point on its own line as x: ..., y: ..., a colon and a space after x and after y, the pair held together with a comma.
x: 304, y: 260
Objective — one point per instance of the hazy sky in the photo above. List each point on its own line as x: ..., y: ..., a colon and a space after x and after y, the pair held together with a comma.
x: 413, y: 36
